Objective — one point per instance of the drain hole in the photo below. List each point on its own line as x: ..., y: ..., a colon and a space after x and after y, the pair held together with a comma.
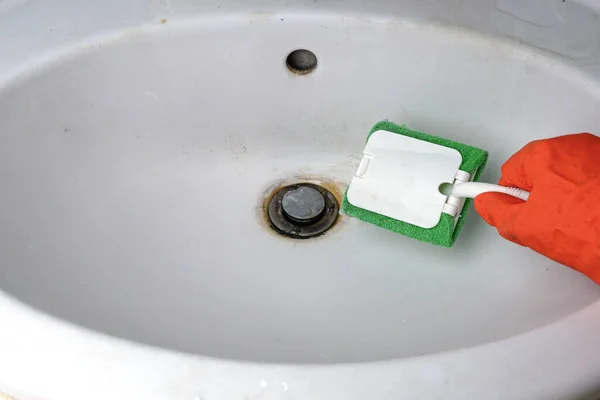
x: 301, y: 61
x: 302, y: 211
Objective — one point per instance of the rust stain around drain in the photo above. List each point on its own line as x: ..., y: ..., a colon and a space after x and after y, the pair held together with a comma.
x: 333, y: 187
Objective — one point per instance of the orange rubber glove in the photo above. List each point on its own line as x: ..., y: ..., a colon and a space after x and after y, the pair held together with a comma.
x: 561, y: 219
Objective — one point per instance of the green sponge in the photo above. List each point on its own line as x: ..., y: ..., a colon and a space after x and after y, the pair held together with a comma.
x: 444, y: 233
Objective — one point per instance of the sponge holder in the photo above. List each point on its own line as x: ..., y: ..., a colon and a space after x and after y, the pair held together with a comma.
x: 454, y: 204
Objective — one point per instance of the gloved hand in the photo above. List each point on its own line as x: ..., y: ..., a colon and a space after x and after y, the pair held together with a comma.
x: 561, y: 219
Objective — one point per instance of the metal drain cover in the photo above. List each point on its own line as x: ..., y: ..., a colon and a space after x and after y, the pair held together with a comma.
x: 303, y: 210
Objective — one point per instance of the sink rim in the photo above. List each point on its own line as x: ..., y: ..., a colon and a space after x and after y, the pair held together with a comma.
x: 51, y: 342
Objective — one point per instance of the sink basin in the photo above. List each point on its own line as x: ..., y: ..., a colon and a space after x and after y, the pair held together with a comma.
x: 136, y: 155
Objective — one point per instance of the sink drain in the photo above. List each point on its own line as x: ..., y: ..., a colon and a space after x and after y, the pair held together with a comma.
x: 302, y: 211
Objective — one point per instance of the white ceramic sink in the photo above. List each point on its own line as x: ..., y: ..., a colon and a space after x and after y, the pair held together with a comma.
x: 139, y: 140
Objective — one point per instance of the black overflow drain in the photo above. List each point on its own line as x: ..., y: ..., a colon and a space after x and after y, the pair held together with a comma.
x: 303, y: 210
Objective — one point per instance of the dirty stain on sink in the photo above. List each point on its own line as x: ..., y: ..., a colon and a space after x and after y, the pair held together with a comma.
x: 334, y: 189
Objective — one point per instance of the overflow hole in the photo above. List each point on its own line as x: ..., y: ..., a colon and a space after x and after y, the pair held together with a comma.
x: 301, y: 61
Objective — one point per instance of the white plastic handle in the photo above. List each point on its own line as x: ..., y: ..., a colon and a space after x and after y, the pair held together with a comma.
x: 474, y: 189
